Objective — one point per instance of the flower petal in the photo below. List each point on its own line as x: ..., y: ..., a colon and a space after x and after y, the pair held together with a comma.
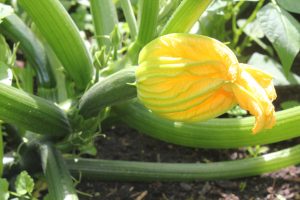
x: 216, y: 104
x: 190, y: 78
x: 264, y: 79
x: 190, y: 48
x: 253, y: 97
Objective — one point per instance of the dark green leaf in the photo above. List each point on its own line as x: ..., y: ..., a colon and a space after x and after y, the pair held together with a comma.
x: 290, y: 5
x: 4, y: 194
x: 283, y: 31
x: 24, y: 183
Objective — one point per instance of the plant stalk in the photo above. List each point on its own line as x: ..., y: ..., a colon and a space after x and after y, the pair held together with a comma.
x: 185, y: 16
x: 215, y: 133
x: 105, y: 19
x: 130, y: 18
x: 60, y: 184
x: 147, y: 27
x: 61, y: 33
x: 148, y: 171
x: 14, y: 28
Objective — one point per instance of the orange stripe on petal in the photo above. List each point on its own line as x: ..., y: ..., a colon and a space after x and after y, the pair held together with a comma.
x: 217, y: 104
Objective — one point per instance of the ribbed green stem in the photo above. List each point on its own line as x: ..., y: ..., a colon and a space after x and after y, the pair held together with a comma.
x: 105, y: 18
x: 61, y: 33
x: 185, y: 16
x: 147, y: 27
x: 32, y: 113
x: 14, y: 28
x: 129, y: 16
x: 111, y: 90
x: 215, y: 133
x: 147, y: 171
x: 60, y: 184
x: 148, y: 21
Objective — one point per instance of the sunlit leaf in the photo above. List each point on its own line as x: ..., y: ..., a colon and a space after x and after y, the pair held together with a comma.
x: 5, y: 11
x: 253, y: 29
x: 5, y: 72
x: 24, y: 183
x: 283, y: 31
x: 272, y: 67
x: 290, y: 5
x: 4, y: 194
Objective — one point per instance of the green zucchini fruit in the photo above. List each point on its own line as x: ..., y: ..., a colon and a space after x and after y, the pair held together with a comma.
x: 111, y: 90
x: 32, y: 113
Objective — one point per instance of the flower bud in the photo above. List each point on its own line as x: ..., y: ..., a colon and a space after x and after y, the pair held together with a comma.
x: 191, y: 78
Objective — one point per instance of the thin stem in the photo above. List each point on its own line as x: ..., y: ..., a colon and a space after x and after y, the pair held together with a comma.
x: 130, y: 18
x: 235, y: 30
x: 147, y: 171
x: 239, y: 31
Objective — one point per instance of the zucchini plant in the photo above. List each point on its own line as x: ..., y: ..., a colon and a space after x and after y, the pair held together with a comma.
x: 152, y: 69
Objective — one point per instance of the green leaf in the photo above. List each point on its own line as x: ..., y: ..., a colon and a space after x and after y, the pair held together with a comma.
x: 283, y: 31
x: 272, y: 67
x: 5, y: 72
x: 252, y: 29
x: 24, y: 183
x: 4, y: 50
x: 4, y: 194
x: 290, y: 5
x: 213, y: 21
x: 5, y: 11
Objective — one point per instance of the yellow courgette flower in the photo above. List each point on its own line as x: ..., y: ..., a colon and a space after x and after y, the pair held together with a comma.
x: 191, y: 78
